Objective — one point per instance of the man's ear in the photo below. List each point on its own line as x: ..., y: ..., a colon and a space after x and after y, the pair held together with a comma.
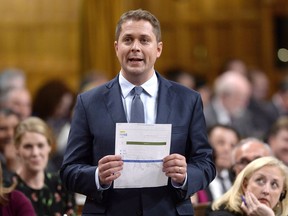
x: 116, y: 45
x: 159, y: 48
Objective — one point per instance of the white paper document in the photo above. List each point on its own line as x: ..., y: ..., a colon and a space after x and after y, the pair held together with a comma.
x: 142, y: 147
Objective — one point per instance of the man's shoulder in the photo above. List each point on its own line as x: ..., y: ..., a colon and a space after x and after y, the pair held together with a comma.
x: 182, y: 90
x: 99, y: 89
x: 175, y: 86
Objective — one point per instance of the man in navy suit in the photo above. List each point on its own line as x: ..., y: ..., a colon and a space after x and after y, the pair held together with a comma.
x: 90, y: 165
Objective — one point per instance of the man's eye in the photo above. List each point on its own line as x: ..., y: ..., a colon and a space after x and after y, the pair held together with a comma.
x: 144, y: 40
x: 127, y: 40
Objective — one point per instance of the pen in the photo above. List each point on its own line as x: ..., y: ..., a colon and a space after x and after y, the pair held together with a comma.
x: 243, y: 200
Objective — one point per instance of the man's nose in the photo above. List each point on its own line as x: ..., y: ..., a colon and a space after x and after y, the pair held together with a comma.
x: 135, y: 46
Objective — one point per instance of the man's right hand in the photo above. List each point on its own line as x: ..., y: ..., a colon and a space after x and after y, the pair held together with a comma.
x: 109, y: 168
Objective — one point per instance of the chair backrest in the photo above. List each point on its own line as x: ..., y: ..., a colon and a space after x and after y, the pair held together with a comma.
x: 200, y: 209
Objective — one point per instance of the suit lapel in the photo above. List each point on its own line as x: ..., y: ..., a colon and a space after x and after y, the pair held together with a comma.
x: 113, y: 101
x: 165, y: 100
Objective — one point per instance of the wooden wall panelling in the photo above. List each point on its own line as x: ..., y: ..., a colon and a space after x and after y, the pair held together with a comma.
x: 201, y: 35
x: 274, y: 9
x: 42, y: 38
x: 268, y: 50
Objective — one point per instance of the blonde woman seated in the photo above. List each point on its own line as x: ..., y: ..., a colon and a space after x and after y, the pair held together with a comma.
x: 13, y: 202
x: 33, y: 140
x: 259, y: 190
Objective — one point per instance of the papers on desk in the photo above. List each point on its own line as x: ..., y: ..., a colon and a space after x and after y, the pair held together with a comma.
x: 142, y: 147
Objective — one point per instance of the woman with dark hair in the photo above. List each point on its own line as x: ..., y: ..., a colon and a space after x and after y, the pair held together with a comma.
x: 53, y: 103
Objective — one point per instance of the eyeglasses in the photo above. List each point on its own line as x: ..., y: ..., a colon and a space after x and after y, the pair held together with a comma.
x: 245, y: 161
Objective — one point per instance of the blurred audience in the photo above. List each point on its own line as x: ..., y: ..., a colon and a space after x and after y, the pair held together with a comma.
x: 278, y: 105
x: 12, y: 78
x: 235, y: 64
x: 222, y: 139
x: 33, y: 141
x: 204, y: 89
x: 196, y: 82
x: 247, y: 150
x: 54, y: 102
x: 8, y: 122
x: 278, y: 139
x: 92, y: 79
x: 260, y: 84
x: 181, y: 76
x: 260, y: 189
x: 17, y: 99
x: 258, y: 102
x: 14, y: 202
x: 232, y: 92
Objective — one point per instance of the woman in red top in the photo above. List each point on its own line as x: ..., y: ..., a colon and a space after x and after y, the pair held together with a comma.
x: 14, y: 202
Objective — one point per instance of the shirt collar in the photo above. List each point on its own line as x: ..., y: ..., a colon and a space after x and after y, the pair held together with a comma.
x: 150, y: 86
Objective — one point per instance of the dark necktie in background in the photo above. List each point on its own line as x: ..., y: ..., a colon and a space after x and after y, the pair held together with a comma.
x: 137, y: 108
x: 222, y: 182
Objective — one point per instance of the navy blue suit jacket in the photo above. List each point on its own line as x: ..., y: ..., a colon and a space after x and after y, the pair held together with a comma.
x: 92, y: 136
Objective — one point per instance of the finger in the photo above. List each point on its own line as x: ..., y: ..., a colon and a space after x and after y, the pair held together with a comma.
x: 110, y: 171
x: 109, y: 158
x: 176, y: 163
x: 109, y: 179
x: 248, y: 198
x: 106, y: 174
x: 253, y: 198
x: 177, y: 177
x: 175, y: 168
x: 244, y: 207
x: 173, y: 157
x: 108, y: 162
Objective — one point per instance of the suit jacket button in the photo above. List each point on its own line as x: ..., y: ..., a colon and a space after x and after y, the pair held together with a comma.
x: 139, y: 212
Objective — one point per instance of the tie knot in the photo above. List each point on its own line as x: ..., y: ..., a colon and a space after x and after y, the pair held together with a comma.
x: 138, y: 90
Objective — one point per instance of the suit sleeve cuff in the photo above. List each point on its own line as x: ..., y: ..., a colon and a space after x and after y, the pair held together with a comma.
x: 97, y: 181
x: 180, y: 186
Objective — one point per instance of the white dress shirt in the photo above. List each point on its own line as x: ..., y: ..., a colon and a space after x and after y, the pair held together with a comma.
x: 148, y: 97
x: 216, y: 187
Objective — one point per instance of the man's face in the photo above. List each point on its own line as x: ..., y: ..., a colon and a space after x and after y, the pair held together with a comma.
x: 20, y: 102
x: 247, y: 153
x: 137, y: 50
x: 222, y: 141
x: 279, y: 145
x: 7, y: 126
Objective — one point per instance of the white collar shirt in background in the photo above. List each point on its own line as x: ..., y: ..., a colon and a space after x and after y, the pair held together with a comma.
x: 221, y: 113
x: 215, y: 186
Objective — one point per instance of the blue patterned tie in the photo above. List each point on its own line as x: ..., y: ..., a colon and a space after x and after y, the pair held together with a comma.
x: 137, y: 108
